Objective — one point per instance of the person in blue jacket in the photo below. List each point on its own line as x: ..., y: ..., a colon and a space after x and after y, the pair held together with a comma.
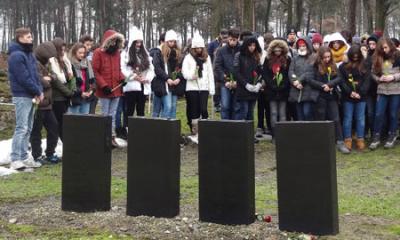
x: 27, y: 91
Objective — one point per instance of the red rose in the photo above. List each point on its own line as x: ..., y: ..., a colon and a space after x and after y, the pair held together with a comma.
x: 276, y: 68
x: 254, y: 73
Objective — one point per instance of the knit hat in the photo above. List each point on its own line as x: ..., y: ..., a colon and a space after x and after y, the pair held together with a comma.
x: 301, y: 42
x: 317, y: 38
x: 198, y: 42
x: 136, y: 35
x: 291, y: 30
x: 171, y: 35
x: 373, y: 37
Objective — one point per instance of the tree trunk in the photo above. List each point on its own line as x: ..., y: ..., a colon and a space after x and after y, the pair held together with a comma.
x: 352, y: 16
x: 299, y: 14
x: 267, y: 16
x: 289, y: 22
x: 247, y: 23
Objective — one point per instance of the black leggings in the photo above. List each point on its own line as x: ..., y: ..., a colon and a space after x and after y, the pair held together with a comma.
x: 135, y: 101
x: 47, y: 119
x: 59, y: 109
x: 196, y: 104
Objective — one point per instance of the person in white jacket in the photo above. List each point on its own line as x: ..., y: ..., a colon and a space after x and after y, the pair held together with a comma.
x: 198, y: 71
x: 136, y: 65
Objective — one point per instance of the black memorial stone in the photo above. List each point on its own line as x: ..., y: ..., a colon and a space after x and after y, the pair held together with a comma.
x: 153, y: 167
x: 86, y: 163
x: 226, y: 172
x: 306, y: 171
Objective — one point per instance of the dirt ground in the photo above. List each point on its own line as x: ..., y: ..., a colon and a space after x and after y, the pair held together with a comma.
x: 45, y: 214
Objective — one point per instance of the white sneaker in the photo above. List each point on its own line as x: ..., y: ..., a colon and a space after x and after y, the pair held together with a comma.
x: 29, y: 163
x: 194, y: 138
x: 17, y: 165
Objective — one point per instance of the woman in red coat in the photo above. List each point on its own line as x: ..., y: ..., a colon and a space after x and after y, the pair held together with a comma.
x: 109, y: 78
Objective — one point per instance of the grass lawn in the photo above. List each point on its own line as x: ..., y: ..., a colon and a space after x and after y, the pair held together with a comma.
x: 368, y: 185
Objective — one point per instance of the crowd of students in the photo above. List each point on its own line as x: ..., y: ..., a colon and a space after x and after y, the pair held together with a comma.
x: 352, y: 81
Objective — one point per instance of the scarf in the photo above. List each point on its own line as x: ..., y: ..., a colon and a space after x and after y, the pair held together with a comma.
x: 172, y: 62
x: 199, y: 64
x: 338, y: 55
x: 61, y: 73
x: 80, y: 66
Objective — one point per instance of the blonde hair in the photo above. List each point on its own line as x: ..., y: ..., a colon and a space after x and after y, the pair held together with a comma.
x: 166, y: 51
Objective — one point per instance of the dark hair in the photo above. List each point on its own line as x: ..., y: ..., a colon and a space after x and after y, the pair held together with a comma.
x: 234, y: 32
x: 142, y: 54
x: 245, y: 34
x: 20, y: 32
x: 379, y: 55
x: 162, y: 38
x: 351, y: 64
x: 321, y: 65
x: 244, y: 49
x: 396, y: 42
x: 203, y: 56
x: 86, y: 38
x: 223, y: 31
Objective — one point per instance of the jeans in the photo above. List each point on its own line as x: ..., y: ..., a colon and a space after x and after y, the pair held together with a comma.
x: 278, y: 109
x: 121, y: 110
x: 169, y: 106
x: 24, y: 114
x: 227, y: 103
x: 328, y: 109
x: 157, y: 106
x: 244, y: 110
x: 83, y: 108
x: 371, y: 104
x: 384, y: 102
x: 47, y: 119
x: 109, y: 108
x: 357, y: 110
x: 304, y: 111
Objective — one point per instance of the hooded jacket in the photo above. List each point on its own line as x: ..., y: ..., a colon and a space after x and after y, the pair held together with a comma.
x: 298, y: 71
x: 338, y: 55
x: 246, y: 70
x: 23, y: 72
x: 130, y: 74
x: 43, y: 53
x: 107, y: 67
x: 274, y: 91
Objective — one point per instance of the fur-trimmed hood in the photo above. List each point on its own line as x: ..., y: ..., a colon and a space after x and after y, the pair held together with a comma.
x: 111, y: 35
x: 277, y: 43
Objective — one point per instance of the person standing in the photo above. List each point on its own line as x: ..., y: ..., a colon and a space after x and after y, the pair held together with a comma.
x: 247, y: 72
x: 63, y: 84
x: 198, y: 71
x: 137, y: 66
x: 26, y: 89
x: 301, y: 93
x: 385, y: 71
x: 44, y: 116
x: 168, y: 84
x: 324, y: 77
x: 223, y: 70
x: 84, y: 80
x: 88, y: 42
x: 109, y: 78
x: 355, y: 76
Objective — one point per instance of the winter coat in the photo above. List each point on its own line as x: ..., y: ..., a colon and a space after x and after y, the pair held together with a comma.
x: 212, y: 48
x: 273, y: 91
x: 298, y: 70
x: 130, y: 74
x: 246, y: 70
x: 107, y: 67
x: 317, y: 80
x: 22, y: 72
x: 159, y: 84
x: 63, y: 86
x: 80, y: 68
x: 205, y: 83
x: 223, y: 63
x: 43, y: 53
x: 393, y: 87
x: 360, y: 85
x: 373, y: 88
